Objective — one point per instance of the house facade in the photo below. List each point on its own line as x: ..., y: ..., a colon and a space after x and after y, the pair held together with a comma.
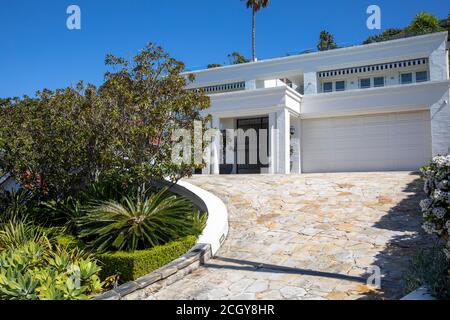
x: 376, y: 107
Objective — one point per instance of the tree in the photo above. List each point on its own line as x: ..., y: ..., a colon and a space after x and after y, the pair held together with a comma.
x: 237, y: 58
x: 326, y: 41
x: 213, y: 65
x: 423, y: 23
x: 60, y: 142
x: 255, y: 5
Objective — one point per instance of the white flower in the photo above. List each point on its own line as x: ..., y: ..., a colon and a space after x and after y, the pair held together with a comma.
x: 440, y: 195
x: 447, y: 253
x: 447, y: 225
x: 426, y: 204
x: 428, y: 227
x: 442, y: 161
x: 443, y: 185
x: 439, y: 212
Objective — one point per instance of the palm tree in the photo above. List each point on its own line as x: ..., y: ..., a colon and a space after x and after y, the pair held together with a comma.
x: 326, y: 41
x: 255, y: 5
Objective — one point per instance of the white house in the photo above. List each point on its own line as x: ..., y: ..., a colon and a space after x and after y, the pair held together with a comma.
x: 381, y: 106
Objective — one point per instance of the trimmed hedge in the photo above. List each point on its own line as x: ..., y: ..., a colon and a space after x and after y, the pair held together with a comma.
x: 131, y: 265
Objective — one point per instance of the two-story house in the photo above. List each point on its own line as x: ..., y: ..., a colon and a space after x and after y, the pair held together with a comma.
x: 381, y: 106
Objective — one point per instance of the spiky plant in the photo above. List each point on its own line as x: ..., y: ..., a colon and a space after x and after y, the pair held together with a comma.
x: 139, y: 222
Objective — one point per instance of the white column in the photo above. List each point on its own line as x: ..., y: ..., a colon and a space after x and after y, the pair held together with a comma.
x: 438, y: 63
x: 310, y: 83
x: 284, y: 141
x: 216, y: 149
x: 272, y: 143
x: 440, y: 125
x: 296, y: 144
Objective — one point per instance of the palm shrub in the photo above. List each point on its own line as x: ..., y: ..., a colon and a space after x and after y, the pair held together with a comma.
x: 140, y: 222
x: 13, y: 205
x: 16, y: 233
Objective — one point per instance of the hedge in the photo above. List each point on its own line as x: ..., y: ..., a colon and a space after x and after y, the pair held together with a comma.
x: 131, y: 265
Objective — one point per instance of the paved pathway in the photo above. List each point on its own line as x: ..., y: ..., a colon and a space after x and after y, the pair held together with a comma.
x: 309, y: 237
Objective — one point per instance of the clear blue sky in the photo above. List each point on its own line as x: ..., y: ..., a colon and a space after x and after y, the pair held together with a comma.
x: 38, y: 51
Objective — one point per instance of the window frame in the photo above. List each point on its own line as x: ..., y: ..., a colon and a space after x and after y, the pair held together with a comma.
x: 323, y: 87
x: 406, y: 73
x: 426, y: 76
x: 340, y: 81
x: 379, y: 86
x: 364, y: 79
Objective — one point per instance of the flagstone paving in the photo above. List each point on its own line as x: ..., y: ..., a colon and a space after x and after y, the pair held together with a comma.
x: 309, y: 237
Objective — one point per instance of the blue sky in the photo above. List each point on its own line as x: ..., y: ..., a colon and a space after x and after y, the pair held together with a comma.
x: 38, y: 51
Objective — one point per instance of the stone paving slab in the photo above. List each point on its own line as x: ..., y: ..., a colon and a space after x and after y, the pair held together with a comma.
x: 309, y: 237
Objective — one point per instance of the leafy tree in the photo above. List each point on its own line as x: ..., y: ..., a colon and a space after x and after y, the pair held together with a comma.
x: 423, y: 23
x: 255, y: 5
x: 387, y: 34
x: 60, y: 142
x: 213, y: 65
x: 237, y: 58
x: 326, y: 41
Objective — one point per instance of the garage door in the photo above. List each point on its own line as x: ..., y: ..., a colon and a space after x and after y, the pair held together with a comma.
x: 394, y: 141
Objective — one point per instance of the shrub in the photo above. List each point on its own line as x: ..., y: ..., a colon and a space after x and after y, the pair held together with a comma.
x: 33, y: 272
x: 429, y: 268
x: 140, y: 222
x: 60, y: 142
x: 131, y: 265
x: 13, y: 205
x: 17, y: 233
x: 436, y: 208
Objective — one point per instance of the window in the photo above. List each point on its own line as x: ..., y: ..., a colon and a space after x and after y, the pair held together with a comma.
x: 421, y: 76
x: 406, y: 78
x: 378, y: 82
x: 340, y: 85
x: 364, y: 83
x: 328, y: 87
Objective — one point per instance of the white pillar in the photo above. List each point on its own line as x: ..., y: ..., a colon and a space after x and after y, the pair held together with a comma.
x: 216, y: 149
x: 284, y: 141
x: 296, y: 144
x: 272, y: 143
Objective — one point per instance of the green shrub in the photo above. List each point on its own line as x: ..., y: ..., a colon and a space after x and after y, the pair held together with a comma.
x: 131, y: 265
x: 429, y: 268
x: 34, y: 272
x: 140, y: 222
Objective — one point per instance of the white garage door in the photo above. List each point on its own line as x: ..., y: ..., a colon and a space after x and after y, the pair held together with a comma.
x: 394, y: 141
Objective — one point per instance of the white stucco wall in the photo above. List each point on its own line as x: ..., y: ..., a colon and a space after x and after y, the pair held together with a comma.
x: 440, y: 125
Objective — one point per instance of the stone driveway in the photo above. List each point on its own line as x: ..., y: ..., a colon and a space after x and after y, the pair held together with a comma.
x: 309, y: 237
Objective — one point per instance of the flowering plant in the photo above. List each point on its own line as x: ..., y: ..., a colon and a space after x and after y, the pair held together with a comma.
x: 436, y: 207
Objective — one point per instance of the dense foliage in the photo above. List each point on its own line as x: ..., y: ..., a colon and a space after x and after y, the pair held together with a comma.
x: 129, y: 266
x: 61, y: 142
x: 140, y: 222
x: 34, y: 267
x: 436, y: 207
x: 326, y: 41
x: 422, y: 23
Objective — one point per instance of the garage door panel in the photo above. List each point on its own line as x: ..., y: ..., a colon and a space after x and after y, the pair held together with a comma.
x: 396, y: 141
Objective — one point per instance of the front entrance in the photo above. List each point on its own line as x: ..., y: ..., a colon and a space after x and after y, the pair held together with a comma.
x: 257, y: 124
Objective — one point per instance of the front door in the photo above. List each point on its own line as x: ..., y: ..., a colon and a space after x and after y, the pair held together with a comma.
x: 257, y: 124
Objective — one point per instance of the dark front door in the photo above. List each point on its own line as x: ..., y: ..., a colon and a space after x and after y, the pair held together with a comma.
x: 257, y: 124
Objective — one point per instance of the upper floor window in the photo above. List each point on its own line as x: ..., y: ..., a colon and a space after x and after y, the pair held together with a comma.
x: 378, y: 82
x: 406, y: 78
x: 421, y: 76
x: 340, y: 85
x: 328, y: 87
x: 364, y: 83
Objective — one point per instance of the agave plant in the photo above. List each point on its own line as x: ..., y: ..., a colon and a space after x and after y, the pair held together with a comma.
x: 140, y: 222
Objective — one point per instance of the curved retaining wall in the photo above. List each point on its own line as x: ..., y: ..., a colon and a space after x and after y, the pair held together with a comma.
x: 209, y: 242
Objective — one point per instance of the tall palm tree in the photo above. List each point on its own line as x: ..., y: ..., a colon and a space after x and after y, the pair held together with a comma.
x: 255, y: 5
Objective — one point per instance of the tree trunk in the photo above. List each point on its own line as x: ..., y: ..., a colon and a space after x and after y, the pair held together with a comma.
x: 254, y: 36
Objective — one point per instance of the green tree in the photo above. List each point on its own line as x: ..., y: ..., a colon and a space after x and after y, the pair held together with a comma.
x: 255, y: 5
x: 237, y: 58
x: 60, y: 142
x: 213, y: 65
x: 423, y: 23
x: 326, y: 41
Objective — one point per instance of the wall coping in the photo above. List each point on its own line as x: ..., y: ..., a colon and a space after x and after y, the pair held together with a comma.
x: 419, y: 294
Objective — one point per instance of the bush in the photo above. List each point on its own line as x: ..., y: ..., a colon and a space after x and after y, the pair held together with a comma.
x: 140, y: 222
x: 34, y: 272
x: 429, y: 268
x: 131, y: 265
x: 436, y: 208
x: 57, y: 143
